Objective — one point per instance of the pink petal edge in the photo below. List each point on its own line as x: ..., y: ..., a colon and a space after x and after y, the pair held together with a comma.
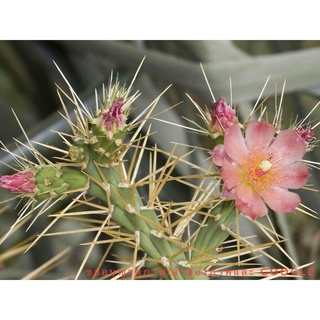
x: 231, y: 174
x: 281, y: 200
x: 259, y: 134
x: 234, y: 144
x: 288, y: 146
x: 294, y: 176
x: 249, y: 202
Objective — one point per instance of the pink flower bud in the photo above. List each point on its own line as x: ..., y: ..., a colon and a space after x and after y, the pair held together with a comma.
x: 19, y: 182
x: 223, y: 117
x: 305, y: 134
x: 113, y: 118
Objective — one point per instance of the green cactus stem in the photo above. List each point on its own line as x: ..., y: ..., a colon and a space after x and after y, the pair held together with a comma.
x: 55, y: 181
x: 212, y: 235
x: 128, y: 211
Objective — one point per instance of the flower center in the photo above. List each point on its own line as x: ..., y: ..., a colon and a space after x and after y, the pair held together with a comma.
x: 265, y: 165
x: 261, y: 170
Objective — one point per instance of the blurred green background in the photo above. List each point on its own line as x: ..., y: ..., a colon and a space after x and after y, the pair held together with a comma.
x: 28, y: 79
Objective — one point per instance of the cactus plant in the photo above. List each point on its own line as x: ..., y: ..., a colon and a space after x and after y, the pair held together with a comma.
x: 251, y: 164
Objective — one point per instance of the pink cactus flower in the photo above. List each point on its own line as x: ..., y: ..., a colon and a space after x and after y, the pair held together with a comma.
x: 21, y: 182
x: 113, y: 118
x: 223, y: 117
x: 259, y: 169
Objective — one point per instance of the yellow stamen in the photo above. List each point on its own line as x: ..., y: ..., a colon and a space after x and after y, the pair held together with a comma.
x: 260, y: 172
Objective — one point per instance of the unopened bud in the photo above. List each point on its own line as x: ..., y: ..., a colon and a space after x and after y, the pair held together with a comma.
x: 21, y: 182
x: 306, y: 134
x: 113, y: 119
x: 109, y: 129
x: 222, y: 117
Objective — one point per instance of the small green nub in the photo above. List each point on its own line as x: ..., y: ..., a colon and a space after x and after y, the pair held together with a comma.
x: 77, y: 152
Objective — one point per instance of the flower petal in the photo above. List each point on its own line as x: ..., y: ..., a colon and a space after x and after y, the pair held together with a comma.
x: 218, y: 154
x: 294, y: 176
x: 227, y: 194
x: 288, y: 146
x: 231, y: 173
x: 234, y: 144
x: 259, y: 134
x: 249, y: 202
x: 280, y: 199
